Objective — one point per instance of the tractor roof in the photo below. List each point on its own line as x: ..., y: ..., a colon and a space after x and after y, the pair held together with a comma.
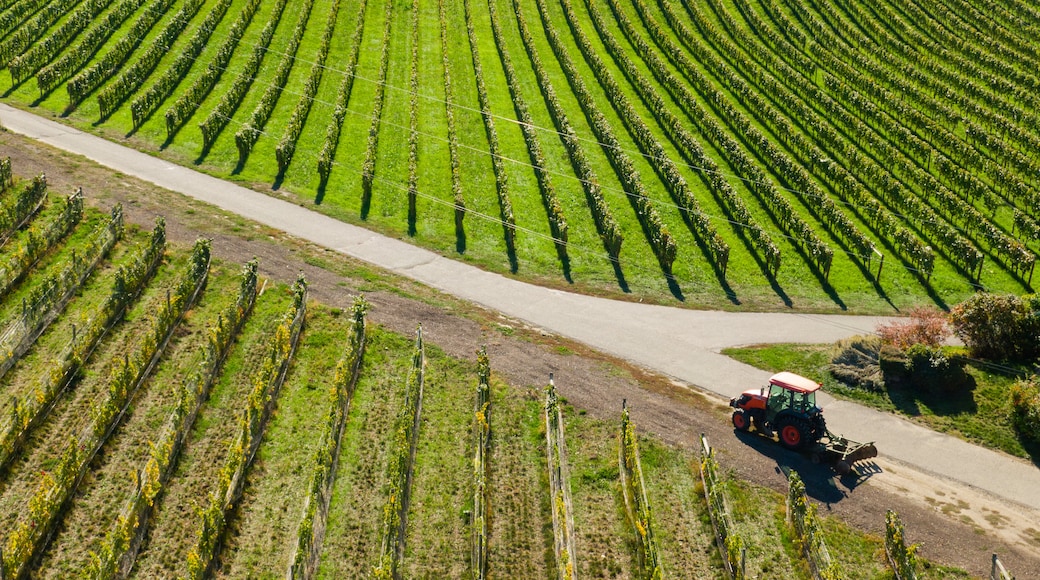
x: 794, y: 382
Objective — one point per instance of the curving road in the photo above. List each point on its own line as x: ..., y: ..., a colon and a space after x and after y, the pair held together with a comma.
x: 681, y: 343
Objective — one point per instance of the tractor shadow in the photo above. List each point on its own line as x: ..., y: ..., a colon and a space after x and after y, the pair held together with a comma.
x: 822, y: 483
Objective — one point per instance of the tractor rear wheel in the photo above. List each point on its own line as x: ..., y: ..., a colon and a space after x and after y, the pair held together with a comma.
x: 794, y: 432
x: 741, y: 422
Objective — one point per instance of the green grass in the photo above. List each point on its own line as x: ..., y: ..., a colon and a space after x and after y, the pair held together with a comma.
x: 980, y: 414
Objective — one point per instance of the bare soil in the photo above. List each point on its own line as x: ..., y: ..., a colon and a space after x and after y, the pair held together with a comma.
x: 963, y: 535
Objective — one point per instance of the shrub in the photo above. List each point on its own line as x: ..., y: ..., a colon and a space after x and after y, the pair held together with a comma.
x: 1025, y: 408
x: 999, y: 326
x: 922, y: 368
x: 926, y: 326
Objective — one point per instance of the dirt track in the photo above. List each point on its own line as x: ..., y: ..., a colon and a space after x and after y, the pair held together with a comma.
x: 587, y: 380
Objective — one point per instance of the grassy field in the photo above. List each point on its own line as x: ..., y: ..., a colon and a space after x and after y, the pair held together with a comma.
x: 847, y: 132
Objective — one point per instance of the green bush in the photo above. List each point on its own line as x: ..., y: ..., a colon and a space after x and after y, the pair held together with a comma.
x: 999, y: 326
x: 922, y: 368
x: 1025, y: 408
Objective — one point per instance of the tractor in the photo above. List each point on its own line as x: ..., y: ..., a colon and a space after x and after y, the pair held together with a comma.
x: 787, y: 407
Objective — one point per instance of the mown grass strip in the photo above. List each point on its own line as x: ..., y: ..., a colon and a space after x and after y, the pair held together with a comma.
x: 267, y: 382
x: 399, y: 468
x: 311, y: 531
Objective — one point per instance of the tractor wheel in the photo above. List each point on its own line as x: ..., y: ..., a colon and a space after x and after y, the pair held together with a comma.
x: 741, y: 422
x: 794, y: 432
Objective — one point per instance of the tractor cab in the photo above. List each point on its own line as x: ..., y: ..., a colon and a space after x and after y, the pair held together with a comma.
x: 788, y: 391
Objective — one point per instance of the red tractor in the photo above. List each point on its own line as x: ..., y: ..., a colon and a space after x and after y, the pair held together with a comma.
x: 787, y: 407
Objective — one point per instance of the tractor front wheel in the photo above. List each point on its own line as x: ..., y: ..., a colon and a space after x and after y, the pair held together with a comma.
x: 741, y: 422
x: 794, y: 433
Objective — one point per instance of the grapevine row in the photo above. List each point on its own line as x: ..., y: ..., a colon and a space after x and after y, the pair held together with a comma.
x: 1017, y: 181
x: 559, y: 487
x: 914, y: 147
x: 557, y: 220
x: 848, y: 66
x: 660, y: 239
x: 902, y: 557
x: 368, y: 166
x: 220, y: 115
x: 606, y: 225
x: 453, y: 138
x: 86, y: 47
x: 497, y: 163
x: 399, y: 467
x: 413, y: 123
x: 693, y: 152
x: 949, y: 80
x: 311, y: 531
x: 58, y: 486
x: 637, y: 505
x: 999, y: 72
x: 246, y: 136
x: 698, y: 222
x: 801, y: 514
x: 482, y: 449
x: 145, y: 104
x: 6, y: 175
x: 119, y: 547
x: 189, y: 101
x: 18, y: 12
x: 346, y: 86
x: 287, y: 146
x: 798, y: 110
x: 267, y: 382
x: 130, y: 79
x: 38, y: 240
x: 728, y: 541
x: 986, y: 34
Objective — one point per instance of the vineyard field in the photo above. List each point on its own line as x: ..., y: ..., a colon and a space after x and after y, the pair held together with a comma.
x: 118, y: 476
x: 759, y: 154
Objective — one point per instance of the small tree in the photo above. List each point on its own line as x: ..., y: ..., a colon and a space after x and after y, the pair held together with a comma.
x: 1025, y: 408
x: 999, y: 326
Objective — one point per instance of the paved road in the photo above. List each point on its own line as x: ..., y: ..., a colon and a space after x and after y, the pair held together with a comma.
x: 682, y: 343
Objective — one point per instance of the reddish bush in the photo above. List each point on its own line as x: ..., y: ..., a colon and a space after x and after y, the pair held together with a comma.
x: 926, y: 326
